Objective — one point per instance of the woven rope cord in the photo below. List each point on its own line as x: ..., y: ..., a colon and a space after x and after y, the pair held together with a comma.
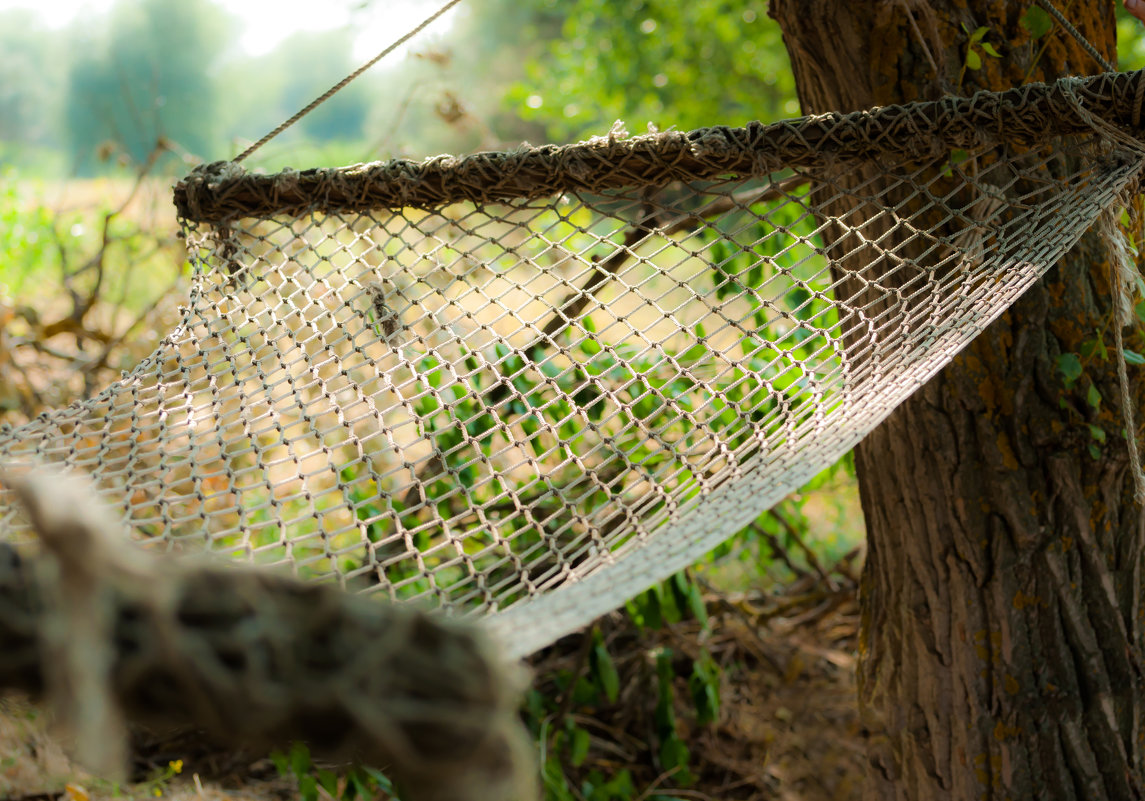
x: 1024, y: 116
x: 527, y: 385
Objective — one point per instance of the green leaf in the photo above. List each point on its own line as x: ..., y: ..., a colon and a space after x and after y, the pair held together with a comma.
x: 328, y: 780
x: 281, y: 763
x: 1094, y: 451
x: 673, y: 753
x: 635, y: 610
x: 358, y: 785
x: 605, y: 670
x: 990, y: 51
x: 578, y: 746
x: 1097, y: 433
x: 696, y: 603
x: 653, y: 609
x: 973, y: 60
x: 1037, y: 22
x: 379, y: 778
x: 709, y: 711
x: 978, y: 34
x: 307, y: 788
x: 705, y: 688
x: 299, y: 759
x: 671, y: 605
x: 1070, y: 366
x: 1093, y: 397
x: 681, y: 591
x: 620, y: 786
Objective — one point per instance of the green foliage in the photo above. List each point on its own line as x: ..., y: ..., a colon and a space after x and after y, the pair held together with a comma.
x: 1081, y: 395
x: 28, y: 252
x: 976, y: 48
x: 659, y: 61
x: 1069, y: 365
x: 652, y: 678
x: 314, y: 783
x: 39, y: 246
x: 151, y: 69
x: 674, y: 754
x: 480, y: 418
x: 1130, y: 40
x: 704, y: 684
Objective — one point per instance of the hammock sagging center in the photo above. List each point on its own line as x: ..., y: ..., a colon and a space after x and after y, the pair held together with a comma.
x: 527, y: 385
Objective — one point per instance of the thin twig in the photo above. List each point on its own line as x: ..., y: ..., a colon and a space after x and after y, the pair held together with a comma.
x: 845, y: 567
x: 569, y: 309
x: 751, y: 626
x: 726, y: 203
x: 777, y: 549
x: 573, y: 304
x: 100, y: 361
x: 812, y: 559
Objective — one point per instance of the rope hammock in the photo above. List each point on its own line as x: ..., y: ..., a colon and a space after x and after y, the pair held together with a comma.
x: 526, y: 385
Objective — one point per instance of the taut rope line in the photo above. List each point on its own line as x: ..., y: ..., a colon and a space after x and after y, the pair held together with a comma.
x: 342, y: 83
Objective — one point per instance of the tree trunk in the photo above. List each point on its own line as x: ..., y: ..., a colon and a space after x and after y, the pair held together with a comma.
x: 1002, y: 633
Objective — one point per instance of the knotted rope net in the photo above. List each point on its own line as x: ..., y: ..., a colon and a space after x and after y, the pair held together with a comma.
x: 526, y: 385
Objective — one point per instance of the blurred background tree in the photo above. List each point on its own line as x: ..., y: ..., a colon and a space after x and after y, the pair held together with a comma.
x: 492, y: 74
x: 501, y: 72
x: 141, y: 74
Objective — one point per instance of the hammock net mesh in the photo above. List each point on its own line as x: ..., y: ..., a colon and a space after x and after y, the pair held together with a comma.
x: 527, y: 385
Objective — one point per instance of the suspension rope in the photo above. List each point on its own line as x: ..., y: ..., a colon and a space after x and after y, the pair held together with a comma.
x: 1122, y: 275
x: 1076, y: 34
x: 342, y: 83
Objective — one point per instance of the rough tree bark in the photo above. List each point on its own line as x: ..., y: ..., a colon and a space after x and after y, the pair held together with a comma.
x: 1002, y: 635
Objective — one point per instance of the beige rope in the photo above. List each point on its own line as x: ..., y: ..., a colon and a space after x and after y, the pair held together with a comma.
x: 1121, y: 282
x: 1127, y: 410
x: 342, y: 83
x: 1027, y: 114
x: 1122, y: 275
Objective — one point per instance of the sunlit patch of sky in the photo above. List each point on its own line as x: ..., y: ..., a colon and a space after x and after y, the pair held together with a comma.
x: 265, y: 23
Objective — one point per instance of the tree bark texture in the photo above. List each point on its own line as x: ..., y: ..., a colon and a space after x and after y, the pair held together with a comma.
x: 1002, y: 635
